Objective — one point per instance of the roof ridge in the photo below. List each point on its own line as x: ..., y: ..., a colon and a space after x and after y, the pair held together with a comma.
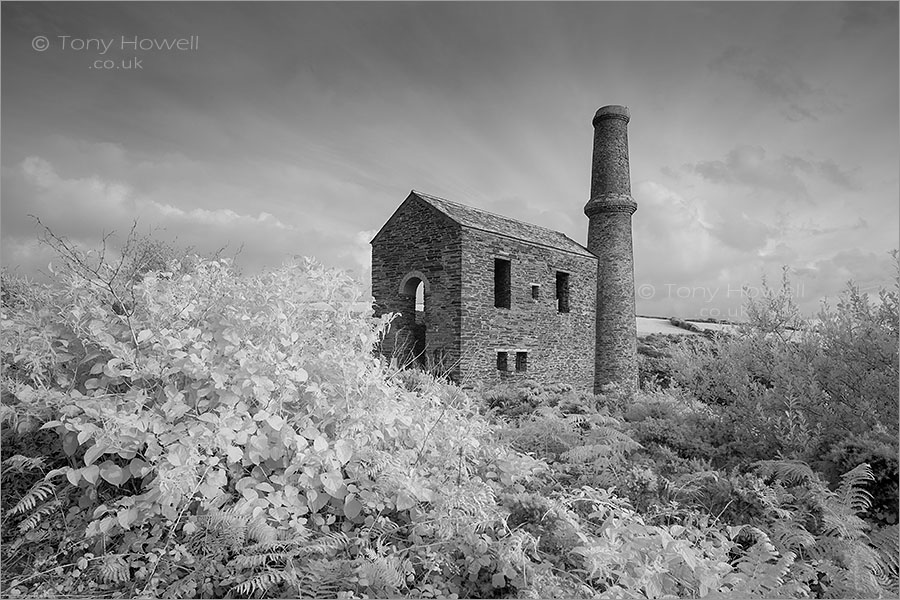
x: 485, y: 220
x: 498, y: 215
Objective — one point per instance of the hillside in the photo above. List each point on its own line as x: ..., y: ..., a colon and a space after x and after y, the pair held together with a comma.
x: 189, y: 432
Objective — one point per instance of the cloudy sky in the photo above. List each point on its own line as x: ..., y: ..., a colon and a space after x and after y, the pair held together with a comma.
x: 762, y: 134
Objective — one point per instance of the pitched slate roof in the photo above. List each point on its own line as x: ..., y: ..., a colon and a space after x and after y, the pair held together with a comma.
x: 475, y: 218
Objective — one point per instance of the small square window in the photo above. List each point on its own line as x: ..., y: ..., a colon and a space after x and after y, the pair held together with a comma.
x: 535, y: 291
x: 501, y: 361
x: 521, y: 361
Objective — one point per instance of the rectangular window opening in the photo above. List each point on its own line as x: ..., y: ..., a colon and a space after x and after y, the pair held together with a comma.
x: 535, y: 291
x: 502, y: 284
x: 562, y: 292
x: 521, y: 361
x: 501, y: 361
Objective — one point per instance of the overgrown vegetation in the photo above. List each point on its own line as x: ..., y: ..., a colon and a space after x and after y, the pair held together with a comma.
x: 178, y: 430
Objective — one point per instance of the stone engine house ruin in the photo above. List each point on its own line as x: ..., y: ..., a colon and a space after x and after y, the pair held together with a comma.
x: 488, y: 299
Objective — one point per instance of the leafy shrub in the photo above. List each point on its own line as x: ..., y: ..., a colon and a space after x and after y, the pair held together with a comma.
x: 524, y: 398
x: 654, y: 361
x: 214, y: 435
x: 877, y: 448
x: 811, y: 391
x: 220, y: 403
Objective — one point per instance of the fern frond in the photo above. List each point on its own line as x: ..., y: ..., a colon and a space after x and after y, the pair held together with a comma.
x: 853, y: 568
x: 263, y: 554
x: 377, y: 464
x: 382, y: 574
x: 220, y: 531
x: 317, y: 579
x: 256, y: 560
x: 468, y: 507
x: 260, y: 531
x: 229, y: 530
x: 788, y: 535
x: 827, y: 547
x: 852, y: 493
x: 886, y: 543
x: 763, y: 569
x: 264, y: 582
x: 276, y: 546
x: 39, y: 492
x: 325, y: 577
x: 473, y: 500
x: 331, y: 542
x: 605, y: 420
x: 37, y: 516
x: 750, y: 533
x: 789, y: 471
x: 802, y: 572
x: 609, y: 434
x: 218, y: 518
x: 113, y: 569
x: 838, y: 520
x: 757, y: 558
x: 19, y: 463
x: 850, y: 580
x: 862, y: 568
x: 601, y: 443
x: 838, y: 510
x: 690, y: 485
x: 380, y: 528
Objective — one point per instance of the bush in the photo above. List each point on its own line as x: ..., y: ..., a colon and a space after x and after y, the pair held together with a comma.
x: 810, y: 391
x: 251, y: 411
x: 655, y: 365
x: 188, y: 432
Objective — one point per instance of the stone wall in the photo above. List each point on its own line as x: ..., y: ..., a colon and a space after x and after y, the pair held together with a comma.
x: 420, y: 242
x: 559, y: 346
x: 463, y: 328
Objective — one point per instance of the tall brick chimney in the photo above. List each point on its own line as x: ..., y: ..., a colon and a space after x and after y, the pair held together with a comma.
x: 609, y: 237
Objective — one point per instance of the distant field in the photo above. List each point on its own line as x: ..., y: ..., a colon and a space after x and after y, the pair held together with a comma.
x: 650, y: 325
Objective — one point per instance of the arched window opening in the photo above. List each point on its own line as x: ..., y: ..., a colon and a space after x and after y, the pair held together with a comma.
x: 414, y: 291
x: 420, y: 302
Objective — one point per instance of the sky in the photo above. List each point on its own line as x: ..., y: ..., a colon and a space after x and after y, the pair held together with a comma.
x: 762, y: 135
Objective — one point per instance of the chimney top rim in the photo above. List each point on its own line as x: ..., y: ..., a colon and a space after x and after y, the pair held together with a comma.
x: 612, y: 111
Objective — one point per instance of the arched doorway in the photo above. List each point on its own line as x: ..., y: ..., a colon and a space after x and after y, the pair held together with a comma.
x: 414, y: 291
